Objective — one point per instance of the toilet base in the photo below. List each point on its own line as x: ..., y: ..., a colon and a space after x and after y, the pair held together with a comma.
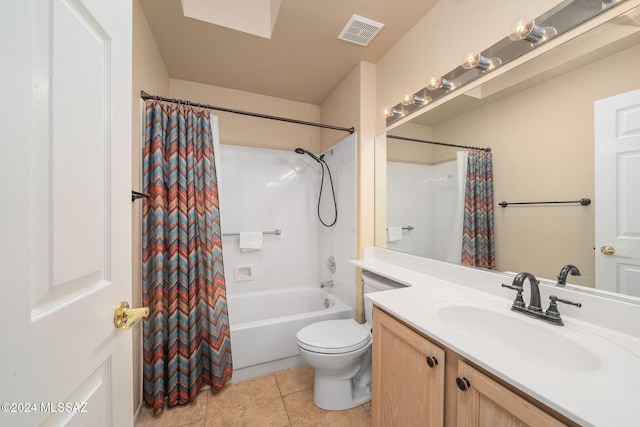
x: 334, y: 394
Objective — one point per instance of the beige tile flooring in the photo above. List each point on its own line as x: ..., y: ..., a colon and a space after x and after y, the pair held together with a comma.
x: 281, y: 399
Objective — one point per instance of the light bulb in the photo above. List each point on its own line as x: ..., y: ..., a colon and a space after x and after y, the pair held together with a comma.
x: 415, y: 100
x: 434, y: 83
x: 475, y: 60
x: 526, y: 29
x: 394, y: 112
x: 439, y: 82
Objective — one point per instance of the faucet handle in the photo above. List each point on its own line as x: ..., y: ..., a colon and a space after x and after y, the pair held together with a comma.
x: 519, y: 301
x: 554, y: 298
x: 552, y: 311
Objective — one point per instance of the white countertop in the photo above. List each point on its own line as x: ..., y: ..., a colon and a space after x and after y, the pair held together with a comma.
x: 600, y: 390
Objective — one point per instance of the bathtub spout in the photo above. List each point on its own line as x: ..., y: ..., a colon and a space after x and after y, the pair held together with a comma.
x: 327, y: 284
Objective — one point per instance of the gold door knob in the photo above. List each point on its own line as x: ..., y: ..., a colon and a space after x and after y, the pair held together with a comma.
x: 608, y: 250
x: 125, y: 317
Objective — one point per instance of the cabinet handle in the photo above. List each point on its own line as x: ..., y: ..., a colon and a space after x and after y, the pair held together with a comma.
x: 463, y: 383
x: 432, y: 362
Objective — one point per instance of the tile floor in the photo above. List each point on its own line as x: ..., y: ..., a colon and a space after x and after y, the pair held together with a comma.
x: 281, y: 399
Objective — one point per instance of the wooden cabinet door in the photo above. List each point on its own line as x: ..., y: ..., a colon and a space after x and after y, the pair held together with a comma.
x: 406, y: 390
x: 486, y: 403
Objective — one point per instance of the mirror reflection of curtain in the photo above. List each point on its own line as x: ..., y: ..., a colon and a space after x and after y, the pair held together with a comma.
x: 186, y: 336
x: 478, y: 231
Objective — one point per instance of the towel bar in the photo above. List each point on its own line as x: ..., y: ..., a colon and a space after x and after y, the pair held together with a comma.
x: 583, y: 202
x: 275, y: 232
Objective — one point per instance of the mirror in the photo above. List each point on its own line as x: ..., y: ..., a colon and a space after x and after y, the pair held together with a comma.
x: 538, y: 119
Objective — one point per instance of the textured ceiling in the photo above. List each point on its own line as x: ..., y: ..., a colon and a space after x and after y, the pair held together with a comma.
x: 303, y: 61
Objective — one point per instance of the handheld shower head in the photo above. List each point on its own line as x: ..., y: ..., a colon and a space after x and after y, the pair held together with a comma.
x: 303, y: 151
x: 323, y: 164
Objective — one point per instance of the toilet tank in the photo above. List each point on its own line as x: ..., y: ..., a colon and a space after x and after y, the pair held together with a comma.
x: 372, y: 282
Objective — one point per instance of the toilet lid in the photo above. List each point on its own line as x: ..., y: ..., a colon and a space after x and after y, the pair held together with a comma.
x: 333, y: 336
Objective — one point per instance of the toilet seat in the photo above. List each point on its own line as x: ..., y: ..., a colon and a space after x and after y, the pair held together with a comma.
x: 333, y: 336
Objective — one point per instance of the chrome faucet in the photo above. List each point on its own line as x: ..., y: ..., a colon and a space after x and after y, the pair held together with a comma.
x: 534, y: 308
x: 327, y: 284
x: 566, y: 270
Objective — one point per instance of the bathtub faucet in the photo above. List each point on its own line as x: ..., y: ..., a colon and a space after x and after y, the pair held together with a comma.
x: 327, y: 284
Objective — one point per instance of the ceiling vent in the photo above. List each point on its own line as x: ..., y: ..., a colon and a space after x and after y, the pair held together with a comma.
x: 360, y: 30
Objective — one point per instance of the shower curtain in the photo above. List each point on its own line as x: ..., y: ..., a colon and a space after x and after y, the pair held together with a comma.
x: 186, y: 336
x: 477, y: 239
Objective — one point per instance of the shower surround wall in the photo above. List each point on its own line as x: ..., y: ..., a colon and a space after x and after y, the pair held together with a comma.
x: 424, y: 197
x: 265, y: 190
x: 339, y: 241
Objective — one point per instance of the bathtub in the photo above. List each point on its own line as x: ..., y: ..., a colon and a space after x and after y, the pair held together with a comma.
x: 263, y: 327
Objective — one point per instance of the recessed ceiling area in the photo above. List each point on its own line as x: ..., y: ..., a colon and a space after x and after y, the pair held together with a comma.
x: 255, y: 17
x: 303, y: 61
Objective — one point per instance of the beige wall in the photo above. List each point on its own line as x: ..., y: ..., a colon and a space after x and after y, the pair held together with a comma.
x: 399, y: 150
x: 149, y: 74
x: 341, y: 108
x: 542, y: 143
x: 366, y: 171
x: 251, y: 131
x: 352, y: 103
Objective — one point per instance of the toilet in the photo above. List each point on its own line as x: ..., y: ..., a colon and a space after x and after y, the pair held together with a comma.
x: 340, y: 353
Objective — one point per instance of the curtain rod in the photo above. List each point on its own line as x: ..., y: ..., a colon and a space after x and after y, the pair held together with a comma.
x: 146, y: 96
x: 488, y: 149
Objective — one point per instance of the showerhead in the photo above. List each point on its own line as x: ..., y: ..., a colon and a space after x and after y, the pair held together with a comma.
x: 303, y: 151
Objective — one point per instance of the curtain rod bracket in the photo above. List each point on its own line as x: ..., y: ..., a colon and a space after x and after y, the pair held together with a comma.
x: 135, y: 195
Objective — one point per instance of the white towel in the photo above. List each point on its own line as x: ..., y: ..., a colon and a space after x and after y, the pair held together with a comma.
x: 394, y: 234
x: 250, y: 241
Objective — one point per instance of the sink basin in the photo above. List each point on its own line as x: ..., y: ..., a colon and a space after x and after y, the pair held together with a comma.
x: 529, y: 340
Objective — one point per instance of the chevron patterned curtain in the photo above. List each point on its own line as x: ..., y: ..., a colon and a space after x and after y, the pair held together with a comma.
x: 477, y: 238
x: 186, y: 336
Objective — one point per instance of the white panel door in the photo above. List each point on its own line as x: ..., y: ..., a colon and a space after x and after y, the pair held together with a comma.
x: 65, y: 222
x: 617, y: 191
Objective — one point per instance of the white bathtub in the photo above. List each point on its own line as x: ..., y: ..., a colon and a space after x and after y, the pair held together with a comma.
x: 264, y: 324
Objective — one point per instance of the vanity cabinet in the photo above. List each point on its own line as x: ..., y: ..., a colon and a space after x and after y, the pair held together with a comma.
x: 487, y: 403
x: 411, y: 389
x: 408, y: 376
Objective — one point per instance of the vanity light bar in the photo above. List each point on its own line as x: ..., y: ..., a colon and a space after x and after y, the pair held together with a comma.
x: 531, y: 34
